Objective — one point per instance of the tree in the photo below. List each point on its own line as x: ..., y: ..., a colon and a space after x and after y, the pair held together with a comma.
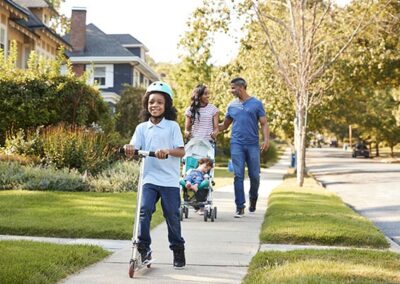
x: 305, y: 38
x: 128, y: 110
x: 195, y: 46
x: 364, y: 92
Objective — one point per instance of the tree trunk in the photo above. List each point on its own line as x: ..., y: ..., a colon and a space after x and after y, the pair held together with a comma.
x: 377, y: 149
x: 300, y: 147
x: 392, y: 151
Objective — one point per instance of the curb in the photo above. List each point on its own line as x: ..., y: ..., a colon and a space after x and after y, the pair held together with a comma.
x: 288, y: 247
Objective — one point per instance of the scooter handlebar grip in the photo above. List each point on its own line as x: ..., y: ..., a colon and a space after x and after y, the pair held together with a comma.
x: 137, y: 152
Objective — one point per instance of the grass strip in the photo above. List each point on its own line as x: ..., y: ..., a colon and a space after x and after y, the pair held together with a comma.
x: 67, y: 214
x: 312, y: 215
x: 34, y: 262
x: 324, y: 266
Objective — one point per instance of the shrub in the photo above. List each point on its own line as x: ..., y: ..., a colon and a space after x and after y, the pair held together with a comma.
x: 64, y: 146
x: 121, y: 177
x: 75, y: 147
x: 41, y: 96
x: 20, y: 159
x: 128, y: 110
x: 271, y: 154
x: 16, y: 176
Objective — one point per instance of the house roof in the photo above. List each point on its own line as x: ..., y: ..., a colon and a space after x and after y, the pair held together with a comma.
x: 36, y: 4
x: 17, y: 8
x: 33, y: 3
x: 99, y: 44
x: 33, y: 22
x: 125, y: 39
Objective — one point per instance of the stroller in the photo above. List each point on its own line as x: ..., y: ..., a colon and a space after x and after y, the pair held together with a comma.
x: 196, y: 149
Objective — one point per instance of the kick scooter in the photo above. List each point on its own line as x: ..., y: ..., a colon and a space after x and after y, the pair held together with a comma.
x: 136, y: 263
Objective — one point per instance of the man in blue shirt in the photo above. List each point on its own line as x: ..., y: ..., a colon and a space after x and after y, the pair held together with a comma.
x: 245, y: 112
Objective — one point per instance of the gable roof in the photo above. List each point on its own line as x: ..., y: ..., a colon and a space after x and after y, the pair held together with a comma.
x: 33, y: 22
x: 127, y: 40
x: 21, y: 12
x: 99, y: 44
x: 33, y: 3
x: 36, y: 4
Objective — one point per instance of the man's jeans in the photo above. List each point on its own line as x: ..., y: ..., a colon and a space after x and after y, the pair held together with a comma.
x: 170, y: 203
x: 249, y: 154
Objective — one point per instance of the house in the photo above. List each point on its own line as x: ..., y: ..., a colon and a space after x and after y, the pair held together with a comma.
x: 27, y: 23
x: 112, y: 60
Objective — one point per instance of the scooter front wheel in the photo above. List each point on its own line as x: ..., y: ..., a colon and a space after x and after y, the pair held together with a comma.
x: 131, y: 269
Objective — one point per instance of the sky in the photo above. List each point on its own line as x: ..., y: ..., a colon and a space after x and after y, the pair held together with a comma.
x: 158, y: 24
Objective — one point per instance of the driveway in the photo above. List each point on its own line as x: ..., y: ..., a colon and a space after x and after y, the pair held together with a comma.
x: 370, y: 187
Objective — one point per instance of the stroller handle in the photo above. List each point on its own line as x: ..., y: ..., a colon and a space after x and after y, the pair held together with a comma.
x: 140, y: 153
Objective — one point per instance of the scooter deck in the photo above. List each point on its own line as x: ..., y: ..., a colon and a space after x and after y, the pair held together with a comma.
x: 144, y: 264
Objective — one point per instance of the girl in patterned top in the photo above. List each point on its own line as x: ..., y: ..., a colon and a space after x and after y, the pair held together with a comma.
x: 201, y: 116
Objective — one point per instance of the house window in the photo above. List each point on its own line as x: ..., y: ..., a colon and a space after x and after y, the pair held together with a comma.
x: 3, y: 38
x: 99, y: 75
x: 145, y: 82
x: 136, y: 78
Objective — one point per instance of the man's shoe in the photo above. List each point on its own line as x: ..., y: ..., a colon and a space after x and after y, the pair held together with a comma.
x: 239, y: 213
x: 145, y: 254
x: 252, y: 207
x: 179, y: 258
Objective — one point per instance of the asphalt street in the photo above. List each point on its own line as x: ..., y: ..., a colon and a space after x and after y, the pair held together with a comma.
x: 369, y: 186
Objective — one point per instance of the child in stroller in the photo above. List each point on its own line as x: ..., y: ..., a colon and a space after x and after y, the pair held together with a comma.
x: 198, y: 161
x: 194, y: 178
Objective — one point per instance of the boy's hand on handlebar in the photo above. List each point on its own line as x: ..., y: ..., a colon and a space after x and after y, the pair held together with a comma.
x: 129, y: 150
x: 162, y: 153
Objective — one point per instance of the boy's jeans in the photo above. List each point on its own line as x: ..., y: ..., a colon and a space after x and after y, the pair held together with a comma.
x: 170, y: 203
x: 249, y: 154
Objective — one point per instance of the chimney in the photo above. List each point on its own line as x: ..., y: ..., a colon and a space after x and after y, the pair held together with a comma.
x: 78, y: 29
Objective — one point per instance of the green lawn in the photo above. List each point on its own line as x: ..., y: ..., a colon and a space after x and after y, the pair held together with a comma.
x: 33, y: 262
x: 223, y: 177
x: 324, y: 266
x: 312, y: 215
x: 76, y: 215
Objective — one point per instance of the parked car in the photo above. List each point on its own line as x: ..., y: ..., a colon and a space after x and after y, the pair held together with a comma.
x: 360, y: 149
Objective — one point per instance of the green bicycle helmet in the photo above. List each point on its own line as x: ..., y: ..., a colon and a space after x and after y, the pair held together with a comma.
x: 161, y: 87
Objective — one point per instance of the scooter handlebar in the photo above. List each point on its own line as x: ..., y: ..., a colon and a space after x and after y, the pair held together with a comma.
x: 141, y: 153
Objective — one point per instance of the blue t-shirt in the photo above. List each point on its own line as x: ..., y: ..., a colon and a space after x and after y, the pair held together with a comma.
x: 151, y: 137
x: 245, y: 120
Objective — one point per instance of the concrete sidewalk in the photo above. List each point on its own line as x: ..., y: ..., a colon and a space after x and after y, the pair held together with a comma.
x: 217, y: 252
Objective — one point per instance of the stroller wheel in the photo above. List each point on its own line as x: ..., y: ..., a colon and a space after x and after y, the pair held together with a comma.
x: 212, y: 215
x: 205, y: 215
x: 186, y: 212
x: 215, y: 212
x: 181, y: 213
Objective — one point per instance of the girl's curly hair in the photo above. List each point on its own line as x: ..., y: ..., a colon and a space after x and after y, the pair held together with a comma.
x: 197, y: 93
x: 170, y: 110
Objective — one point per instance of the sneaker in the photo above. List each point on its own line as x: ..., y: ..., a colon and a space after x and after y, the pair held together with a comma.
x: 145, y: 254
x: 239, y: 213
x: 252, y: 207
x: 179, y: 258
